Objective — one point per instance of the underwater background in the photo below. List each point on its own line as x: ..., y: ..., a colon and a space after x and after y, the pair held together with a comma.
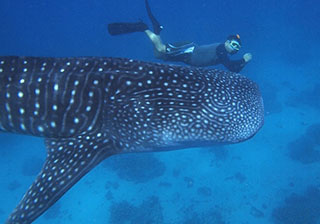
x: 272, y: 178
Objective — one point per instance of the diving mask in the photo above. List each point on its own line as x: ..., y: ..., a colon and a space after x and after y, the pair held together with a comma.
x: 235, y: 45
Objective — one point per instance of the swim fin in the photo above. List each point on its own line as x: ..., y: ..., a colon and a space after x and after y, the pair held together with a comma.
x: 124, y: 28
x: 156, y: 25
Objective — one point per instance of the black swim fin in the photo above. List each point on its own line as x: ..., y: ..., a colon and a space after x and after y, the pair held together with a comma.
x: 124, y: 28
x: 156, y: 25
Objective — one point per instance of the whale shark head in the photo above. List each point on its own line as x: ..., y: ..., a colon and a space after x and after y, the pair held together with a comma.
x: 175, y: 106
x: 90, y: 108
x: 236, y: 105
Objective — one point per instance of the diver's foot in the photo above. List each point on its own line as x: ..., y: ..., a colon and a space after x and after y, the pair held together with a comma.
x: 124, y: 28
x: 157, y: 28
x: 141, y: 26
x: 155, y: 24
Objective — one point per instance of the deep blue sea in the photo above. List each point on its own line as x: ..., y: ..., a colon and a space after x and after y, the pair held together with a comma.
x: 272, y: 178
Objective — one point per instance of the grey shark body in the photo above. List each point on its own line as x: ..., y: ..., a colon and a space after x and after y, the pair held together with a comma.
x: 90, y: 108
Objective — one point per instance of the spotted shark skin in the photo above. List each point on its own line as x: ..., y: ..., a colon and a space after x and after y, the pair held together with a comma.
x: 90, y: 108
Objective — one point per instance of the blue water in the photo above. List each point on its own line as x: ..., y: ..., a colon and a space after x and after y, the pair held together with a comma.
x: 272, y: 178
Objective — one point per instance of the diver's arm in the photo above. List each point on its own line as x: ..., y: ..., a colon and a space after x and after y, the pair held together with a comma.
x: 234, y: 65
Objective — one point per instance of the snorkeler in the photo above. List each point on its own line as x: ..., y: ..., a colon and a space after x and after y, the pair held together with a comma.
x: 186, y: 52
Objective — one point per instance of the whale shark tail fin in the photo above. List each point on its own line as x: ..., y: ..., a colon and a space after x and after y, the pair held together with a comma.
x: 156, y: 25
x: 124, y: 28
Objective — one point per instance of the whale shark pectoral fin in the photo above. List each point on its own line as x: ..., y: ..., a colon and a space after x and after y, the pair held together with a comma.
x: 68, y: 160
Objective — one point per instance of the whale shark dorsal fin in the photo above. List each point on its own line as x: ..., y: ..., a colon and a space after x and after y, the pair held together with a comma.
x: 68, y: 160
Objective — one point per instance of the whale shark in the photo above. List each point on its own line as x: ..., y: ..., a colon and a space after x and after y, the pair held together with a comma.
x: 90, y: 108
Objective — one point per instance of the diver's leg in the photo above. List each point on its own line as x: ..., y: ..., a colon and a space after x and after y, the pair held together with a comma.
x: 124, y: 28
x: 156, y: 25
x: 156, y: 41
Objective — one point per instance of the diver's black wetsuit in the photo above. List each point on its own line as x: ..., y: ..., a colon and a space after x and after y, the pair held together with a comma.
x: 201, y: 55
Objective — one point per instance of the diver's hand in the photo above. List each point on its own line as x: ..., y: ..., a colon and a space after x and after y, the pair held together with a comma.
x: 247, y: 57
